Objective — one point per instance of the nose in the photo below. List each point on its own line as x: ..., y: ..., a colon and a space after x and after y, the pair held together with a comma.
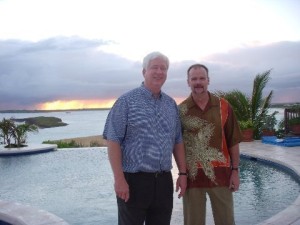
x: 161, y: 69
x: 198, y: 81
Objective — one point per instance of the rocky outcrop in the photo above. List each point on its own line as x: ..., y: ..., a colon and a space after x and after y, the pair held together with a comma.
x: 43, y: 121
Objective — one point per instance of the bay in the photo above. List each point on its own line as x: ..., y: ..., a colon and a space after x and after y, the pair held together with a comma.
x: 81, y: 123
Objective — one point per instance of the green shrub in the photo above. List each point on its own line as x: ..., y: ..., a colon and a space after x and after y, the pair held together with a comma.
x: 94, y: 144
x: 245, y: 124
x: 294, y: 121
x: 62, y: 144
x: 269, y: 122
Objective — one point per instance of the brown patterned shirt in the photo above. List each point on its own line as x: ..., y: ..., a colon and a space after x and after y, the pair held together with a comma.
x: 202, y: 134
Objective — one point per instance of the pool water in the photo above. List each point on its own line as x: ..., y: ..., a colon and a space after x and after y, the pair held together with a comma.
x: 265, y: 190
x: 77, y: 185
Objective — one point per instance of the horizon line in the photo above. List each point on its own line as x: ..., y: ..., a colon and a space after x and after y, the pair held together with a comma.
x: 274, y: 105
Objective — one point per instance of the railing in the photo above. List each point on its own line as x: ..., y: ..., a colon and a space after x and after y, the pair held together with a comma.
x: 288, y: 115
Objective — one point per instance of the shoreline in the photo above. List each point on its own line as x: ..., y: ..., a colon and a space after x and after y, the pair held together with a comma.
x: 96, y: 140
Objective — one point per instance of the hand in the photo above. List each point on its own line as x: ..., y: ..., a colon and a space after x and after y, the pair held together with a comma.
x: 234, y: 182
x: 122, y: 189
x: 181, y: 183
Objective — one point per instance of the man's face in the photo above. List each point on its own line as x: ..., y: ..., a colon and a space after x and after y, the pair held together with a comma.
x: 198, y: 80
x: 156, y: 73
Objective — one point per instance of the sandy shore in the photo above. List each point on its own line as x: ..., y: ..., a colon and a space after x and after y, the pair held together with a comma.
x: 89, y: 141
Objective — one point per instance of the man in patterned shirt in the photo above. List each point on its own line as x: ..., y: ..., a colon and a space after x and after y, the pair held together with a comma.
x: 143, y: 130
x: 211, y: 137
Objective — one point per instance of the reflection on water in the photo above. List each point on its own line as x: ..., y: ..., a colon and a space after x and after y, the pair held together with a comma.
x: 77, y: 185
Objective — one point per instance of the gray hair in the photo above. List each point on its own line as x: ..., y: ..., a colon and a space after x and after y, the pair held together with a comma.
x: 154, y: 55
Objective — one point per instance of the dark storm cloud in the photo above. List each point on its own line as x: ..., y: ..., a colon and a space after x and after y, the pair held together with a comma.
x: 237, y: 69
x: 74, y: 68
x: 61, y: 68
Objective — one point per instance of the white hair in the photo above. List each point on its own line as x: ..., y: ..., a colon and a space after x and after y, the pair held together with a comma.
x: 154, y: 55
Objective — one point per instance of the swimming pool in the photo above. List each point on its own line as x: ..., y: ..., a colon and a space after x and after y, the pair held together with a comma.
x: 77, y: 185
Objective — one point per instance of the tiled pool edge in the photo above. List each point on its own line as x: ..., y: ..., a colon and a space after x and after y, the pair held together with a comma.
x: 280, y: 165
x: 18, y: 214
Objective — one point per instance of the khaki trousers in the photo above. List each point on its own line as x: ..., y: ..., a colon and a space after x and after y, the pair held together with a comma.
x: 194, y: 206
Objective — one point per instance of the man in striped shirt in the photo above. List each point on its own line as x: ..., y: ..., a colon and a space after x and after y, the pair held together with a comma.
x: 143, y: 131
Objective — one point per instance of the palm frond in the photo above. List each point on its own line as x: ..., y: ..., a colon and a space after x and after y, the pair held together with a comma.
x: 259, y: 84
x: 253, y: 108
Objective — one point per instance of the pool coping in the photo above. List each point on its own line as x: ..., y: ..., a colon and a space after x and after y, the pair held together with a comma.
x: 29, y: 149
x: 19, y: 214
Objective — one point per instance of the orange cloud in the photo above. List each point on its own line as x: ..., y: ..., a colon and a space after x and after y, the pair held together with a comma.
x: 81, y: 104
x: 76, y: 104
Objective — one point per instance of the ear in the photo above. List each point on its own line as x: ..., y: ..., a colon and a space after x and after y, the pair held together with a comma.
x: 187, y: 80
x: 143, y: 71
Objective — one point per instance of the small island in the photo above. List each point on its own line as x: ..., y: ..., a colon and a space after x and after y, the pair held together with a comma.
x: 42, y: 121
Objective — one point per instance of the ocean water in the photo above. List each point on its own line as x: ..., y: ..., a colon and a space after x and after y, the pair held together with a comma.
x: 80, y: 124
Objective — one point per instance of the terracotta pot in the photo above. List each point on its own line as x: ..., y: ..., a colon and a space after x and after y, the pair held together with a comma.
x: 295, y: 129
x: 247, y: 135
x: 266, y: 132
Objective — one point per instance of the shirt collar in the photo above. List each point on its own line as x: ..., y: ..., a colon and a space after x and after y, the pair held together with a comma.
x: 148, y: 93
x: 213, y: 101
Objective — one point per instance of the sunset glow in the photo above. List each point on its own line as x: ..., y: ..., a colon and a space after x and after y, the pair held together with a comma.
x: 179, y: 100
x: 76, y: 104
x: 82, y: 104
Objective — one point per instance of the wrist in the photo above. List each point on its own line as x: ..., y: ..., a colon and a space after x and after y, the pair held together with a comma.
x: 235, y: 168
x: 182, y: 174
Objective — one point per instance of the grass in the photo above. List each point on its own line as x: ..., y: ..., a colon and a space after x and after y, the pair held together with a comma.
x: 62, y: 144
x: 71, y: 144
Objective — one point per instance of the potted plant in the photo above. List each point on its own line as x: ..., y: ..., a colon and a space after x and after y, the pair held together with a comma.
x: 268, y: 124
x: 247, y: 129
x: 251, y: 107
x: 294, y: 124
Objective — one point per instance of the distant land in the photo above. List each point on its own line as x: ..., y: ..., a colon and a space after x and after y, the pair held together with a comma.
x: 284, y: 105
x: 46, y: 111
x: 43, y: 121
x: 273, y: 105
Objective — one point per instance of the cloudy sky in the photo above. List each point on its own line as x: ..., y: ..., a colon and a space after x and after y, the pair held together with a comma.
x: 63, y: 54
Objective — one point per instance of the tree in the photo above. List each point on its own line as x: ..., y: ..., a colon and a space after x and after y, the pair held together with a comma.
x: 8, y: 130
x: 20, y: 133
x: 255, y: 107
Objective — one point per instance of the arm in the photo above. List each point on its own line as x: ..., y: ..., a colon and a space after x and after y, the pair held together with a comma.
x: 179, y: 155
x: 115, y: 159
x: 234, y: 152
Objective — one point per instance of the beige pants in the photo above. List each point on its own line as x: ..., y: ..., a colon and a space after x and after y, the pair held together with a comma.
x: 194, y: 206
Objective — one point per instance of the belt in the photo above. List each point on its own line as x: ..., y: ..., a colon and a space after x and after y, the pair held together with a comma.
x: 155, y: 174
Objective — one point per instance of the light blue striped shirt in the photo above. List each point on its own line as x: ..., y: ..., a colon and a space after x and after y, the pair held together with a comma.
x: 146, y: 128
